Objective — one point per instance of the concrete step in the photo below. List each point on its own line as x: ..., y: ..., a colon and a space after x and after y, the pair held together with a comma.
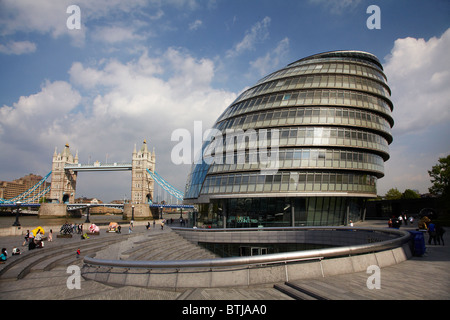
x: 161, y: 240
x: 172, y: 248
x: 293, y: 293
x: 52, y: 262
x: 196, y: 253
x: 307, y: 290
x: 325, y: 290
x: 40, y: 258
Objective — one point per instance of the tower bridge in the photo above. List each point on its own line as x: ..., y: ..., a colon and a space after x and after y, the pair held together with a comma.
x: 65, y: 167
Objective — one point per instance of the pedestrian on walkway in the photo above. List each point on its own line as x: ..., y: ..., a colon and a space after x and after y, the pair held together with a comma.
x: 440, y: 234
x: 50, y: 236
x: 27, y: 238
x: 432, y: 232
x: 162, y: 225
x: 130, y: 228
x: 78, y: 253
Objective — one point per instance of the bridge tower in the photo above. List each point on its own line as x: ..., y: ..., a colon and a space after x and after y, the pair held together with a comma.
x: 142, y: 185
x: 63, y: 185
x: 64, y: 182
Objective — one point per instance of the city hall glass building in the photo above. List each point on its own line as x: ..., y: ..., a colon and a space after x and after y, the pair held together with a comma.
x: 304, y: 146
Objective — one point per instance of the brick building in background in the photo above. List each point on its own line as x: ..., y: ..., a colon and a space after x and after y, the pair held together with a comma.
x: 11, y: 189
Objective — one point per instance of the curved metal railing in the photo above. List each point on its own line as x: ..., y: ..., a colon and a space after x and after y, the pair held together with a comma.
x: 403, y: 237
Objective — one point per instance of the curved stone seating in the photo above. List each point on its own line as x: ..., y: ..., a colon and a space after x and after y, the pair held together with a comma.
x: 357, y: 249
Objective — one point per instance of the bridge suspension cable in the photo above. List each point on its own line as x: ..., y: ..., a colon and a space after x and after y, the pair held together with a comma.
x: 35, y: 193
x: 166, y: 186
x: 32, y: 194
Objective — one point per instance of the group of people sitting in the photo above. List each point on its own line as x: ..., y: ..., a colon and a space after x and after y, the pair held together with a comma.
x: 34, y: 239
x: 4, y: 255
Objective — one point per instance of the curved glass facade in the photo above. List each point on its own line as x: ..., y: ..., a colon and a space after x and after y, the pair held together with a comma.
x: 304, y: 146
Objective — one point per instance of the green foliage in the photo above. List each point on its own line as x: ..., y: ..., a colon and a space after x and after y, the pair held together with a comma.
x: 440, y: 178
x: 393, y: 194
x: 410, y: 194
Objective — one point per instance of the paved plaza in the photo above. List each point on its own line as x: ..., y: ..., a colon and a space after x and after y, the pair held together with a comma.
x: 419, y: 278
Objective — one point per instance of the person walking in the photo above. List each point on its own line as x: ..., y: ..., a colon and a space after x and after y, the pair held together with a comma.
x: 432, y: 232
x: 27, y: 238
x: 78, y: 253
x: 440, y: 234
x: 50, y: 236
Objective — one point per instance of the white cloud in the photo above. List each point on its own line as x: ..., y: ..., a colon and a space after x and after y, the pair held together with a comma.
x: 419, y: 76
x: 31, y: 126
x: 50, y: 17
x: 337, y: 6
x: 195, y: 25
x: 115, y: 34
x: 18, y: 47
x: 266, y: 64
x: 258, y: 32
x: 109, y: 106
x: 45, y: 17
x: 148, y: 99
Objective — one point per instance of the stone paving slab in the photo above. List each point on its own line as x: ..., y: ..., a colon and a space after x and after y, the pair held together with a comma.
x: 418, y: 278
x: 414, y: 279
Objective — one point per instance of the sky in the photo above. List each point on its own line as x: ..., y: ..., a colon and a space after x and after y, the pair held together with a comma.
x: 114, y: 73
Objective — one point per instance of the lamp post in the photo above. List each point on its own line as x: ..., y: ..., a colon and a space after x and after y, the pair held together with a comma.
x: 17, y: 223
x: 132, y: 212
x: 87, y: 214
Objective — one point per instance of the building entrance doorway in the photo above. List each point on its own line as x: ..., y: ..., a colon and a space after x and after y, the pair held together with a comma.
x: 252, y: 251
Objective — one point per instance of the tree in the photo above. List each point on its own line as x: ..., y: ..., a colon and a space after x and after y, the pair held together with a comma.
x: 393, y: 194
x: 410, y: 194
x: 440, y: 177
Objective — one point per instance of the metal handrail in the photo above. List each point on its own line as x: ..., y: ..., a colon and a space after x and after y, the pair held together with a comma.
x: 286, y: 257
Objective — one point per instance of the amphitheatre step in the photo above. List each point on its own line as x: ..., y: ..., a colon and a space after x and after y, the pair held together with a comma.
x: 39, y: 258
x: 307, y: 290
x: 323, y: 290
x: 170, y: 247
x: 293, y: 292
x: 51, y: 262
